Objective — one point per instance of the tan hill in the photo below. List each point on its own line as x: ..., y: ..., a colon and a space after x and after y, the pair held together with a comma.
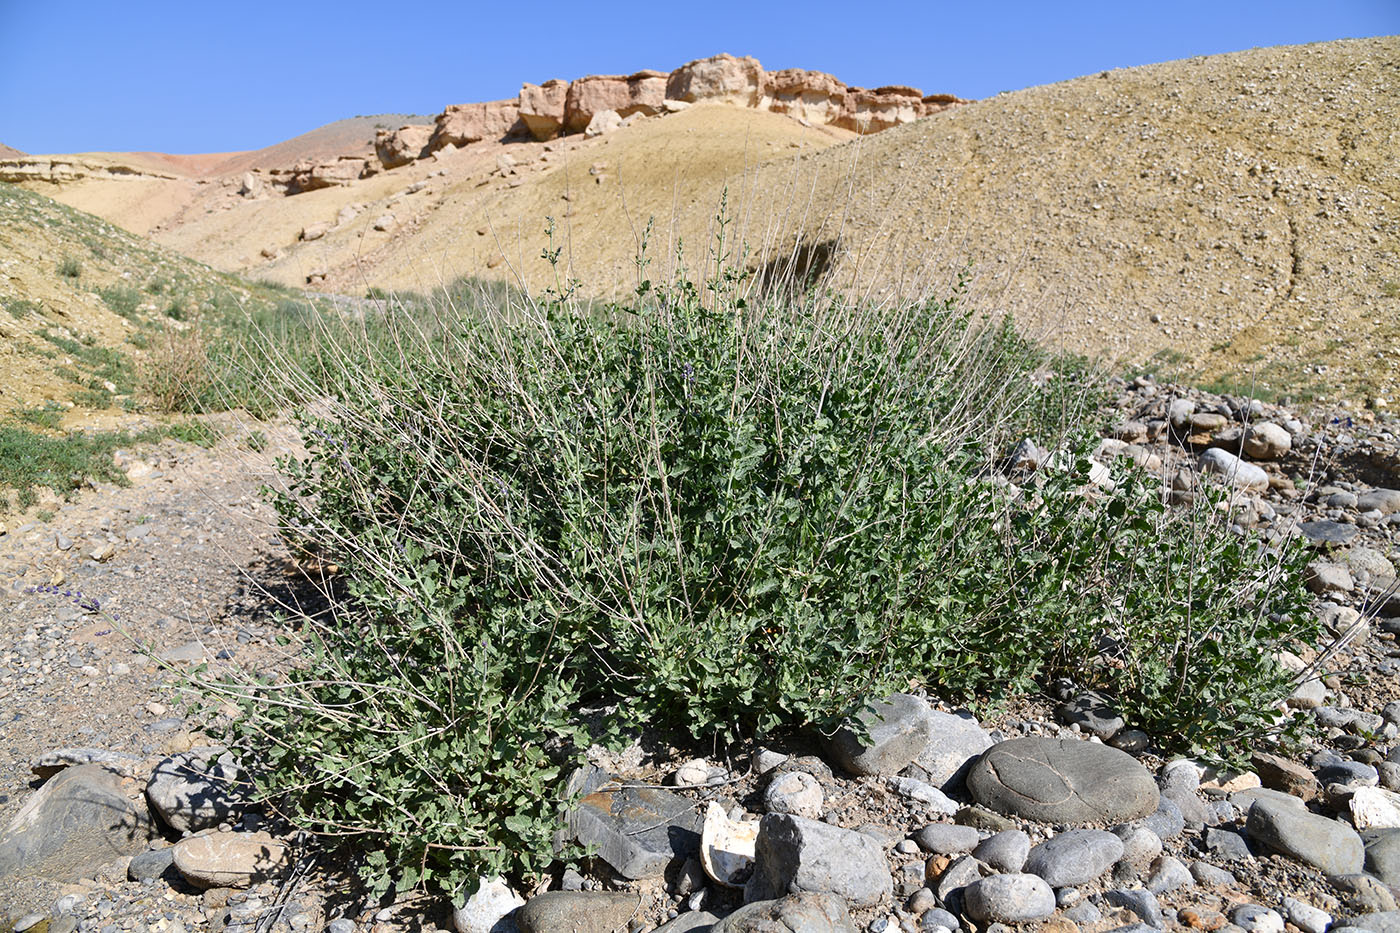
x: 10, y: 152
x: 1229, y: 218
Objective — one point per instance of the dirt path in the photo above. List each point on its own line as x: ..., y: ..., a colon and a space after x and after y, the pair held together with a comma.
x: 165, y: 562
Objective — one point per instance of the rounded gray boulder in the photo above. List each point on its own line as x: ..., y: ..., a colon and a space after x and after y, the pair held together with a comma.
x: 1063, y: 781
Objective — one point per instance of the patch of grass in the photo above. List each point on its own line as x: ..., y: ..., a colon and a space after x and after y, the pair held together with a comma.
x: 123, y: 300
x: 1390, y: 289
x: 104, y: 364
x: 70, y: 267
x: 48, y: 416
x: 20, y: 308
x: 194, y: 432
x: 44, y: 515
x: 29, y: 459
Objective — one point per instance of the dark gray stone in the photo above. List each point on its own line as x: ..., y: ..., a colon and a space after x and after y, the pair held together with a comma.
x: 83, y: 818
x: 1140, y: 902
x: 195, y: 790
x: 1325, y: 844
x: 578, y: 912
x: 898, y: 730
x: 1208, y: 874
x: 1227, y: 845
x: 805, y: 912
x: 793, y: 855
x: 1348, y: 772
x: 694, y: 921
x: 153, y: 863
x: 936, y: 917
x: 1012, y: 898
x: 1075, y: 857
x: 1384, y: 501
x: 1063, y: 781
x: 947, y: 838
x: 1166, y: 821
x: 637, y: 830
x: 1093, y: 713
x: 957, y: 876
x: 1335, y: 533
x: 1383, y: 854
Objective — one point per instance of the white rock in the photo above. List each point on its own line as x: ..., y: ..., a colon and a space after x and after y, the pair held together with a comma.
x: 924, y: 793
x: 1233, y: 470
x: 489, y: 909
x: 1373, y: 808
x: 604, y: 121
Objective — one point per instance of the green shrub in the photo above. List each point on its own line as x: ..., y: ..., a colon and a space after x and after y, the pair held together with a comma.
x: 725, y: 519
x: 70, y: 267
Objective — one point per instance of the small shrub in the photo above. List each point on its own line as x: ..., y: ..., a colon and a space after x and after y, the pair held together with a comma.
x: 722, y: 519
x: 175, y: 375
x: 20, y: 308
x: 70, y: 267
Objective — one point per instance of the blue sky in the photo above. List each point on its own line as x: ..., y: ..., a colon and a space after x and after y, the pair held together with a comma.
x: 199, y: 76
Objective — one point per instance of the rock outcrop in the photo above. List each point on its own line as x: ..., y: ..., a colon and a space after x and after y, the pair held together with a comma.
x: 463, y: 124
x: 814, y: 96
x: 402, y: 146
x: 309, y: 176
x: 594, y: 104
x: 721, y: 78
x: 642, y: 93
x: 542, y: 107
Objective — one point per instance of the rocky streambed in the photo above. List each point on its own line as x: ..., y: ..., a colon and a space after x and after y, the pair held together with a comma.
x: 1053, y: 813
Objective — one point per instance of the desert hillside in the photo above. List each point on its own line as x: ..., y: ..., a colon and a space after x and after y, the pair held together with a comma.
x: 1229, y: 218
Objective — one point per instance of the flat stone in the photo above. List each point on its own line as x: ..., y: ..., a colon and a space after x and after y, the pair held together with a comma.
x: 1063, y: 781
x: 1012, y: 898
x: 805, y: 912
x: 1325, y: 844
x: 50, y: 763
x: 1289, y: 777
x: 955, y: 741
x: 695, y: 921
x: 794, y: 854
x: 1254, y: 918
x: 1385, y: 501
x: 1169, y: 873
x: 1227, y: 845
x: 83, y: 818
x: 637, y: 830
x: 897, y: 731
x: 1093, y: 713
x: 1322, y: 532
x: 229, y: 860
x: 1075, y: 857
x: 1363, y: 893
x: 196, y: 790
x: 1167, y: 821
x: 153, y: 863
x: 1211, y: 875
x: 1141, y: 902
x: 578, y: 912
x: 947, y: 838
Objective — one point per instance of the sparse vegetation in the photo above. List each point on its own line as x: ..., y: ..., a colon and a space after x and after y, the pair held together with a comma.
x: 70, y: 267
x: 31, y: 459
